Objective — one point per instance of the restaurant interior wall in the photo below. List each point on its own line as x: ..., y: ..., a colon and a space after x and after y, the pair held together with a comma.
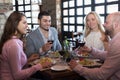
x: 73, y: 12
x: 48, y: 5
x: 5, y: 9
x: 52, y: 6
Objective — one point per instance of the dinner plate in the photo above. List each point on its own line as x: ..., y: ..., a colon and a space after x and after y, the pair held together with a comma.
x: 38, y: 60
x: 58, y: 68
x: 90, y: 63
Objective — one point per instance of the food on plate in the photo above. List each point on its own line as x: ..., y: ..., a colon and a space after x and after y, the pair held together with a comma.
x: 83, y: 54
x: 44, y: 60
x: 55, y: 54
x: 87, y: 62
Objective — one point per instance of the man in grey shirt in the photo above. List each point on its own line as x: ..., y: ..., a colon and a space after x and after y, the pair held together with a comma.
x: 37, y: 41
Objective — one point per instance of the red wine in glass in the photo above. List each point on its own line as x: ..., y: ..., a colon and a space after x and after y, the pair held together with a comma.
x: 81, y: 43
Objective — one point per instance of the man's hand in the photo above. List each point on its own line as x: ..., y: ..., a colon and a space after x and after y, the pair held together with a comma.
x: 84, y: 49
x: 87, y: 49
x: 73, y: 64
x: 46, y: 47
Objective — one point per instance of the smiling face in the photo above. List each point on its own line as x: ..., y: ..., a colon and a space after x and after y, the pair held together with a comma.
x: 92, y: 22
x: 45, y: 22
x: 22, y: 26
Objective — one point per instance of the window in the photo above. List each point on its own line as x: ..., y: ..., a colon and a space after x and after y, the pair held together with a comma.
x: 31, y: 10
x: 74, y: 11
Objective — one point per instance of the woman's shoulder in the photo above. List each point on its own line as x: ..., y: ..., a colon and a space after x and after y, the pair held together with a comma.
x: 13, y: 42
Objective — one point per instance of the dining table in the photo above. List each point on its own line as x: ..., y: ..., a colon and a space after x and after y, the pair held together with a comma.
x: 56, y: 74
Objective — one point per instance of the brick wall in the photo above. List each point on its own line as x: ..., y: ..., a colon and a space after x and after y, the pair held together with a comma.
x: 5, y: 10
x: 50, y: 6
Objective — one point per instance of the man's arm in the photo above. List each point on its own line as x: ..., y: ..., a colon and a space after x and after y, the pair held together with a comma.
x: 99, y: 53
x: 30, y: 48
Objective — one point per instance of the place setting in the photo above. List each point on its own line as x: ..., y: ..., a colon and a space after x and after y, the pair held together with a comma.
x: 57, y: 62
x: 60, y: 58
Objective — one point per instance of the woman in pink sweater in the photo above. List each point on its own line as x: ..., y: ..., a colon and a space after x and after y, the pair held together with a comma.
x: 12, y: 56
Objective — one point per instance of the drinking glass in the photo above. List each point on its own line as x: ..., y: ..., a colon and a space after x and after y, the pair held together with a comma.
x: 51, y: 39
x: 81, y: 41
x: 65, y: 55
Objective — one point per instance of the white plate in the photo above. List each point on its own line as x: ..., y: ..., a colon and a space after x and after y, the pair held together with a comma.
x: 58, y: 68
x: 90, y: 63
x: 37, y: 61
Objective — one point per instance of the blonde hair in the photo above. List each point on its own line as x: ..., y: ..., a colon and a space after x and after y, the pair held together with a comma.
x: 100, y: 26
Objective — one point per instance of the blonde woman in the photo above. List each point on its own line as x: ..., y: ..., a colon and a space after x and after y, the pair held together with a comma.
x: 94, y: 32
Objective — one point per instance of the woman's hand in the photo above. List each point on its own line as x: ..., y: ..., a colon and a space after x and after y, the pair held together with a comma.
x: 33, y: 57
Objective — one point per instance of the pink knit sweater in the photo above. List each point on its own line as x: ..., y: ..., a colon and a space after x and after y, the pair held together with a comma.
x: 13, y: 60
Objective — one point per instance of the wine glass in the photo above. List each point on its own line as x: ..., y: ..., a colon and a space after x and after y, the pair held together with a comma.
x: 50, y: 40
x: 65, y: 56
x: 81, y: 41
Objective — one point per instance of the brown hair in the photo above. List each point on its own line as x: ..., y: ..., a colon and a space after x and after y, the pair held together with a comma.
x: 10, y: 27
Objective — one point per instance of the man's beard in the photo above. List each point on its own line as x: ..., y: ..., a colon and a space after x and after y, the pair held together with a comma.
x: 45, y: 29
x: 107, y: 32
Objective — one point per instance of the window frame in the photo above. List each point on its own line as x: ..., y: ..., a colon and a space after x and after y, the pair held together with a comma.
x: 93, y: 5
x: 32, y: 25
